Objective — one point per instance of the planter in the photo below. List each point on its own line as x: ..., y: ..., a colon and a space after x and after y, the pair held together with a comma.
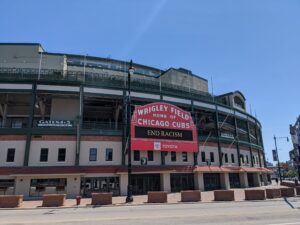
x: 11, y: 201
x: 54, y: 200
x: 273, y: 193
x: 224, y: 195
x: 258, y: 194
x: 157, y: 197
x: 190, y: 196
x: 297, y: 190
x: 103, y: 198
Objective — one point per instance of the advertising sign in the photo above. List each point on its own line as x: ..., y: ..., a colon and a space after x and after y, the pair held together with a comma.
x: 163, y: 127
x: 54, y: 123
x: 274, y: 152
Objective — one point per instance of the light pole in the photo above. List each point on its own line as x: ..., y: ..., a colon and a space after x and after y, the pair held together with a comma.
x: 129, y: 197
x: 278, y: 164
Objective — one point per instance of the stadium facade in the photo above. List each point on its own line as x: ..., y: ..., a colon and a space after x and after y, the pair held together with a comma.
x: 64, y: 128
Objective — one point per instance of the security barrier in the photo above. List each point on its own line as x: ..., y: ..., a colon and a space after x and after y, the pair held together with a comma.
x: 224, y: 195
x: 257, y: 194
x: 190, y: 196
x: 11, y: 201
x: 273, y: 193
x: 103, y: 198
x: 53, y: 200
x: 287, y: 192
x: 157, y: 197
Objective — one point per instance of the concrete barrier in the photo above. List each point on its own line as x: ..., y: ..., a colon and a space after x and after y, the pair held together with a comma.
x: 224, y: 195
x: 53, y: 200
x: 297, y: 190
x: 157, y: 197
x: 273, y: 193
x: 11, y: 201
x: 287, y: 192
x: 255, y: 194
x: 102, y: 198
x: 288, y: 184
x: 190, y: 196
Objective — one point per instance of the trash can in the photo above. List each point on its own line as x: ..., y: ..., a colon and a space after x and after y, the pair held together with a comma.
x: 78, y: 198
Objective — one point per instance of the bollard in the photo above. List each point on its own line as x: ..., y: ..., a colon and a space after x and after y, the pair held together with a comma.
x: 78, y: 199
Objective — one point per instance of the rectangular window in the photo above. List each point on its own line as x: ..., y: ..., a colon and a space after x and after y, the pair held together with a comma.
x: 247, y: 159
x: 184, y: 157
x: 150, y: 155
x: 44, y: 155
x: 136, y: 155
x: 109, y: 154
x: 61, y: 154
x: 93, y: 154
x: 173, y: 156
x: 242, y: 158
x: 203, y: 157
x: 212, y: 157
x: 10, y: 155
x: 232, y: 158
x: 226, y: 158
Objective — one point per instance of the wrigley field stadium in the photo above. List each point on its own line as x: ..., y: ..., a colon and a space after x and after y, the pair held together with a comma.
x: 77, y: 124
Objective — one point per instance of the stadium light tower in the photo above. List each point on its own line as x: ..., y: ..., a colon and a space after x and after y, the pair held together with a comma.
x: 129, y: 197
x: 278, y: 162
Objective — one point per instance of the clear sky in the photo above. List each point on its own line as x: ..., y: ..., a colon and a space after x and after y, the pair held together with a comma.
x: 247, y: 45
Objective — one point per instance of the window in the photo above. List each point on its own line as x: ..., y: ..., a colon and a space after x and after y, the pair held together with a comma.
x: 242, y: 158
x: 184, y: 157
x: 93, y: 154
x: 226, y: 157
x: 136, y: 155
x: 61, y: 154
x: 232, y: 158
x: 44, y: 155
x: 10, y: 155
x: 212, y: 157
x: 247, y: 159
x: 109, y: 154
x: 203, y: 159
x: 253, y: 159
x: 150, y: 155
x: 173, y: 156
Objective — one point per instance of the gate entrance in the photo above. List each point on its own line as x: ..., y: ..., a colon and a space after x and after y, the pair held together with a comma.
x: 142, y: 183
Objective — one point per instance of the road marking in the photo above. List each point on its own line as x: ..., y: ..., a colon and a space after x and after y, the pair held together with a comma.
x: 297, y: 223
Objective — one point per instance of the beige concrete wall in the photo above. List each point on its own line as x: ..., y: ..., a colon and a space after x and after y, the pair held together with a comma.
x: 230, y: 151
x: 207, y: 150
x: 64, y: 108
x: 28, y: 56
x: 22, y: 186
x: 165, y: 180
x: 101, y: 150
x: 245, y: 152
x: 179, y: 161
x: 123, y: 184
x: 73, y: 186
x: 53, y: 146
x: 156, y: 158
x: 256, y: 162
x: 19, y: 147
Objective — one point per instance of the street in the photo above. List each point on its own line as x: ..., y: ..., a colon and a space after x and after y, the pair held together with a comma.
x: 270, y: 212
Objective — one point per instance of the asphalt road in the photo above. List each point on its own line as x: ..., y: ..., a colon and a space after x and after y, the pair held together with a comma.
x: 271, y: 212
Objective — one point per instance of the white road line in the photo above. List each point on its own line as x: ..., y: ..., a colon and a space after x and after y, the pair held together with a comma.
x: 294, y: 223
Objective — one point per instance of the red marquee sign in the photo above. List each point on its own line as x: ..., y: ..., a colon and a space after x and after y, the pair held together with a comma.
x: 163, y: 127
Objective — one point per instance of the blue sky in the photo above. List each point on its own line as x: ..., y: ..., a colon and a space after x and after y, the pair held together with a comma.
x: 247, y: 45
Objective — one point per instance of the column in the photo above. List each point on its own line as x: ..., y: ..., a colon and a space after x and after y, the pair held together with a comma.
x: 73, y: 186
x: 225, y: 183
x: 123, y: 184
x: 165, y: 179
x: 244, y: 180
x: 256, y: 179
x: 199, y: 182
x: 22, y: 186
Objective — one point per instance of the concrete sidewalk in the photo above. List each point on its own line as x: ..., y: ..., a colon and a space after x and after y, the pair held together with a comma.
x: 206, y: 196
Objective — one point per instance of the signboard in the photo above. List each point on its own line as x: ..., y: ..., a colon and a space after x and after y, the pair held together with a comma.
x: 227, y: 135
x: 274, y: 152
x: 54, y: 123
x: 163, y: 127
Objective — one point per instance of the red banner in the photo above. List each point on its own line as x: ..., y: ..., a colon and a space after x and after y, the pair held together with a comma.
x: 163, y: 127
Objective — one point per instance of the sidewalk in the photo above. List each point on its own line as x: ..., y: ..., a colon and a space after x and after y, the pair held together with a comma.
x: 206, y: 196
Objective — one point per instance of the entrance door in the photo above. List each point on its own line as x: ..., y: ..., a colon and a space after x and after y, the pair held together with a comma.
x: 182, y: 181
x: 250, y: 177
x: 211, y: 181
x: 142, y: 183
x: 234, y: 179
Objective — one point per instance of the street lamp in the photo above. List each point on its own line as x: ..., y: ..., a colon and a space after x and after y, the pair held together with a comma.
x: 129, y: 197
x: 278, y: 164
